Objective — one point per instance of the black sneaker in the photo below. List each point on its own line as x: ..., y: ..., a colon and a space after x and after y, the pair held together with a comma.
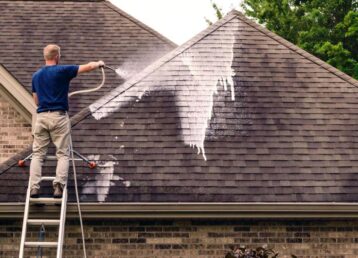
x: 35, y: 193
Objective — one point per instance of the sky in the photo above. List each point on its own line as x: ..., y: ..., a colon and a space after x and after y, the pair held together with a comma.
x: 178, y: 20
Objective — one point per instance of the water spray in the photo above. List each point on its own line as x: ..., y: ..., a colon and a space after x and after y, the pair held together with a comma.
x: 111, y: 68
x: 120, y: 72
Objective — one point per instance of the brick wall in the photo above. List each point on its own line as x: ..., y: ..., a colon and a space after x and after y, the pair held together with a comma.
x: 15, y: 132
x: 195, y: 238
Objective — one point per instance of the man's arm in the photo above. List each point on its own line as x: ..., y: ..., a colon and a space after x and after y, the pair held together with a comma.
x: 90, y: 67
x: 36, y: 100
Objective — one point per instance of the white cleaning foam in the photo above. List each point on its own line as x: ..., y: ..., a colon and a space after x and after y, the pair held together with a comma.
x: 207, y: 74
x: 104, y: 180
x: 207, y: 70
x: 127, y: 183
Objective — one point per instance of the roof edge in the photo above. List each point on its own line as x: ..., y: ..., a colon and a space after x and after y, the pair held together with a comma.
x: 196, y: 210
x: 13, y: 160
x: 14, y: 92
x: 139, y: 23
x: 296, y: 49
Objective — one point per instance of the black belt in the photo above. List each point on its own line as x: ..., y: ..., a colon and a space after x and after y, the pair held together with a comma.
x: 61, y: 112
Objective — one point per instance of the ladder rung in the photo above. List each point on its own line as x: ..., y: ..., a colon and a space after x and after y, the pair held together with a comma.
x: 39, y: 222
x: 46, y: 200
x: 48, y: 178
x: 41, y: 244
x: 55, y: 158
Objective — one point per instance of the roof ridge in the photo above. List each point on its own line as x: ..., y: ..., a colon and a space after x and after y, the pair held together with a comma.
x: 156, y: 64
x: 138, y: 22
x: 232, y: 14
x: 296, y: 49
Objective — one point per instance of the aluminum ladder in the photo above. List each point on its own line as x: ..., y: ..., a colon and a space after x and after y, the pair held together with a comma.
x: 60, y: 223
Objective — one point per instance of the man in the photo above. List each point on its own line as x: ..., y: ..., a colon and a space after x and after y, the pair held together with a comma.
x: 50, y: 87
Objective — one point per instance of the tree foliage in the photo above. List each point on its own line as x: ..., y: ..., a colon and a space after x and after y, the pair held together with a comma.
x: 218, y: 13
x: 325, y: 28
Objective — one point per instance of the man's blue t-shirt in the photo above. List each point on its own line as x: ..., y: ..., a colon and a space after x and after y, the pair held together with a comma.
x: 51, y: 84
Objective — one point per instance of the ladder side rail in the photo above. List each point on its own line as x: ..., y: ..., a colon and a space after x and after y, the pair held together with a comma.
x: 24, y: 224
x: 61, y: 230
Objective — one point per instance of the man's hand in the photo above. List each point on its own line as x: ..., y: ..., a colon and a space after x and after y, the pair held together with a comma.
x: 90, y: 66
x: 100, y: 64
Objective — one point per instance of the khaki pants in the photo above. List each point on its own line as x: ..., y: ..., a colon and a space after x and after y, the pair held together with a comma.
x: 55, y: 127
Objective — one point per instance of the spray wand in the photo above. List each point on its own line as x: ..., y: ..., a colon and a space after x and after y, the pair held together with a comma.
x: 111, y: 68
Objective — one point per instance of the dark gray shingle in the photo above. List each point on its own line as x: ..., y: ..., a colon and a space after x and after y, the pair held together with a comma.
x: 276, y: 125
x: 86, y: 31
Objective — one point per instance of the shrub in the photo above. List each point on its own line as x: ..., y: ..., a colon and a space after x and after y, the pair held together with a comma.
x: 259, y: 252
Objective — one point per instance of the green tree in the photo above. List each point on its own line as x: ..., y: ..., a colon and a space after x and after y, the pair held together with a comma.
x: 218, y: 13
x: 325, y: 28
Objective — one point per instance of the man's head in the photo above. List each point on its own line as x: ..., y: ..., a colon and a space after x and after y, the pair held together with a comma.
x: 52, y: 53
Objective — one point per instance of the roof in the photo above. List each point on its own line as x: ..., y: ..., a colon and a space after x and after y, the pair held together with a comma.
x: 268, y: 123
x: 86, y: 31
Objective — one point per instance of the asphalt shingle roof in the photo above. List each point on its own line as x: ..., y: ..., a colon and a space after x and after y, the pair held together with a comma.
x: 86, y: 31
x: 237, y: 114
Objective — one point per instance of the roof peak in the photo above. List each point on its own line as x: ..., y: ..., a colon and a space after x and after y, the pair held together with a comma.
x: 180, y: 49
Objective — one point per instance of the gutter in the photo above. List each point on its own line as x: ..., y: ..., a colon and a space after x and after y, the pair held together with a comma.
x: 191, y: 210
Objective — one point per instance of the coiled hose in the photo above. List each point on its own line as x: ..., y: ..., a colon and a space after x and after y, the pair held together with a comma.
x: 90, y: 90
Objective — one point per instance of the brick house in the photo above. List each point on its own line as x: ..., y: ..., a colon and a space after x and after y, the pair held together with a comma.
x: 237, y: 137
